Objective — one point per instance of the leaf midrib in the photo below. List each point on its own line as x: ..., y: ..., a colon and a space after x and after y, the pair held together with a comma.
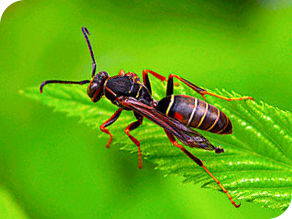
x: 237, y: 115
x: 253, y: 153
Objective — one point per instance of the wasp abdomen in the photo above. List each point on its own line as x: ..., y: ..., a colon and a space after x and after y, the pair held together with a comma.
x: 195, y: 113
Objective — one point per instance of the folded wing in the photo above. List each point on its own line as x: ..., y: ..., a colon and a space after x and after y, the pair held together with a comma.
x: 186, y: 135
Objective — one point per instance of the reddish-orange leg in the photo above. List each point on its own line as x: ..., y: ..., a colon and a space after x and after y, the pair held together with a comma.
x: 131, y: 127
x: 122, y: 72
x: 156, y: 75
x: 200, y: 163
x: 191, y: 85
x: 108, y: 122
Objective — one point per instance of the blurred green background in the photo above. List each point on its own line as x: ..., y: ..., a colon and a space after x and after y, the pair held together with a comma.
x: 54, y: 167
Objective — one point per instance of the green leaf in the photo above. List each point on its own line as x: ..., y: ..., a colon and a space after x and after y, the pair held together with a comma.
x: 257, y: 163
x: 9, y: 208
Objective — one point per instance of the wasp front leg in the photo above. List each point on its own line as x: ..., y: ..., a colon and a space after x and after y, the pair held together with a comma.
x: 107, y: 123
x: 131, y: 127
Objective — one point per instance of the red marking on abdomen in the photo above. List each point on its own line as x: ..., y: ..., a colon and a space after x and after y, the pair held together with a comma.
x: 178, y: 116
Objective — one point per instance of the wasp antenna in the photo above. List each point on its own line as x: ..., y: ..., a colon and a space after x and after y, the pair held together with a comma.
x: 86, y: 30
x: 62, y: 82
x: 86, y: 33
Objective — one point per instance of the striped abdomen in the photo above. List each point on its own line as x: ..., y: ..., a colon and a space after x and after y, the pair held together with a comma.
x: 195, y: 113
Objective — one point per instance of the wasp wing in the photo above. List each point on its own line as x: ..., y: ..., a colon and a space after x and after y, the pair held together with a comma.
x: 186, y: 135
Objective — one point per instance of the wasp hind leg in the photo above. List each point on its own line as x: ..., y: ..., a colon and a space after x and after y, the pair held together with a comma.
x: 170, y: 83
x: 199, y: 90
x: 131, y: 127
x: 200, y: 163
x: 156, y: 75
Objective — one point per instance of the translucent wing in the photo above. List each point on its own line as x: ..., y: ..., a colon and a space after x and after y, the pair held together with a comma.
x: 186, y: 135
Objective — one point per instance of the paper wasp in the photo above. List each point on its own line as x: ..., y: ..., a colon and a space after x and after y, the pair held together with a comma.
x: 174, y: 113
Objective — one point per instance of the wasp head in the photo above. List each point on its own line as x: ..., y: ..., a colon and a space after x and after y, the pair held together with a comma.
x: 95, y: 88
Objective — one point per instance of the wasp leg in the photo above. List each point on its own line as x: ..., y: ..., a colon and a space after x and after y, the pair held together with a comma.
x: 200, y: 163
x: 131, y: 127
x: 170, y: 84
x: 107, y: 123
x: 201, y: 91
x: 156, y: 75
x: 122, y: 72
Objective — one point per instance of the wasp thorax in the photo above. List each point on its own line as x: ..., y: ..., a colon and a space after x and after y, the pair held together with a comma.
x: 95, y: 88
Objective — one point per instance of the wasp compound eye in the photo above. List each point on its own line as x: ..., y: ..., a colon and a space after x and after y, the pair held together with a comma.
x: 91, y: 90
x: 95, y: 89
